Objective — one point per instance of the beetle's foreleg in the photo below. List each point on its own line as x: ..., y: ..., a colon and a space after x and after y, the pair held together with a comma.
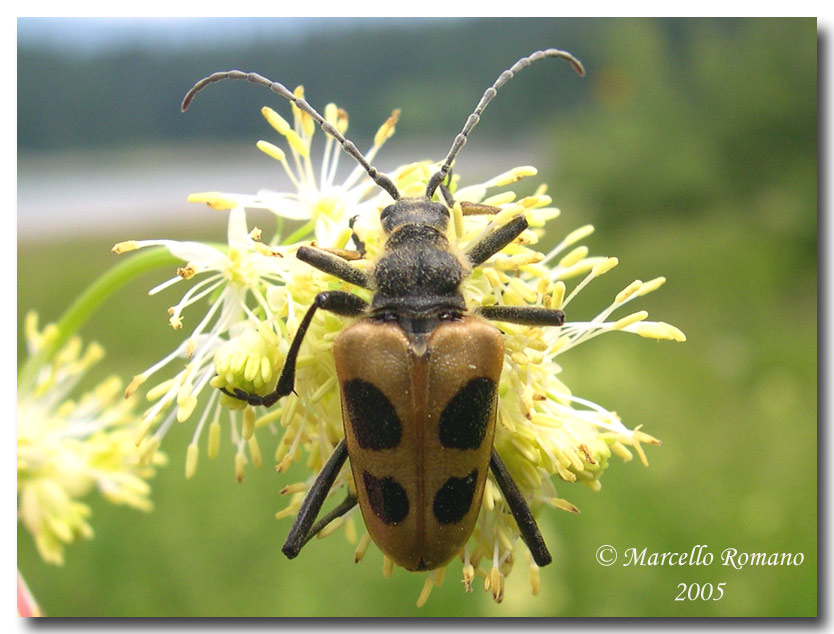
x: 493, y: 242
x: 525, y: 315
x: 339, y: 302
x: 334, y: 265
x: 301, y: 532
x: 521, y: 512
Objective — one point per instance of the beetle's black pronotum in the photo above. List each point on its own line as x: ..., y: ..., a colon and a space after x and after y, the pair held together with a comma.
x: 418, y: 372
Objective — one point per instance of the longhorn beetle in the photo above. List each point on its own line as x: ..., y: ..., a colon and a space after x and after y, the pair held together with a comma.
x: 418, y: 373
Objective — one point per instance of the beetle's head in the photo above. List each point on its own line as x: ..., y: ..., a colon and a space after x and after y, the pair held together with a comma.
x: 414, y: 211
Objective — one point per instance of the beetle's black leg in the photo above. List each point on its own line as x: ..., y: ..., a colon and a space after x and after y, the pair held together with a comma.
x: 360, y: 246
x: 344, y: 506
x: 493, y: 242
x: 525, y: 315
x: 334, y: 265
x: 339, y: 302
x: 521, y: 512
x: 310, y: 507
x: 446, y: 192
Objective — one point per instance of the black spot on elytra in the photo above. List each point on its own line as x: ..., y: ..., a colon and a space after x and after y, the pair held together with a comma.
x: 372, y: 416
x: 464, y: 420
x: 388, y: 498
x: 454, y: 498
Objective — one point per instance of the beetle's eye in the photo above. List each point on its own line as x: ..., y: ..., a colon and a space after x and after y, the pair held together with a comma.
x: 386, y: 212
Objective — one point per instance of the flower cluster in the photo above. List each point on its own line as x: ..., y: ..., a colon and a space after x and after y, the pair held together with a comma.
x: 257, y: 292
x: 66, y: 447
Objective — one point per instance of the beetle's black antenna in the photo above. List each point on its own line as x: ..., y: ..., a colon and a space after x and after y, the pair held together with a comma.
x: 380, y: 179
x: 489, y: 95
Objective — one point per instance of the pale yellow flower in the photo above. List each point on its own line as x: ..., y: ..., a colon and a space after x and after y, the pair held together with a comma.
x: 546, y: 435
x: 68, y: 446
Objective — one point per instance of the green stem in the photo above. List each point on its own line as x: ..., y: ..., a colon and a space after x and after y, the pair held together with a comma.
x: 87, y: 303
x: 300, y: 233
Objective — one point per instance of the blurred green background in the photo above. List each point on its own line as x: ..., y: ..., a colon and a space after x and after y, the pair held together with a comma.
x: 691, y: 146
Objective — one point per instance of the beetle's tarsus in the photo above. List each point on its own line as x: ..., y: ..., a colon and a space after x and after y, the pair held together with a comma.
x: 310, y: 507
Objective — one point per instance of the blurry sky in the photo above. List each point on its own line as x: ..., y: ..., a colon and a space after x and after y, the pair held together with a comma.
x: 90, y: 35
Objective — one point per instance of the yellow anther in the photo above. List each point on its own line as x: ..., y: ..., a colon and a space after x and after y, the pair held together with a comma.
x: 578, y: 234
x: 535, y: 579
x: 659, y: 330
x: 282, y: 127
x: 603, y: 267
x: 124, y: 247
x: 286, y: 512
x: 574, y: 257
x: 148, y: 450
x: 248, y: 423
x: 558, y: 295
x: 191, y: 456
x: 523, y: 289
x: 272, y: 150
x: 255, y: 451
x: 215, y: 200
x: 275, y: 120
x: 214, y: 439
x: 331, y: 528
x: 533, y: 202
x: 457, y: 218
x: 563, y: 505
x: 240, y: 463
x: 633, y: 318
x: 512, y: 176
x: 330, y: 114
x: 361, y: 548
x: 651, y: 285
x: 387, y: 129
x: 507, y: 214
x: 342, y: 121
x: 186, y: 272
x: 134, y: 385
x: 425, y: 592
x: 494, y: 582
x: 468, y: 576
x: 308, y: 126
x: 186, y: 408
x: 502, y: 198
x: 628, y: 291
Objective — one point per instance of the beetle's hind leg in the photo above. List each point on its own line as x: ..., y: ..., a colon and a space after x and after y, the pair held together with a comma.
x: 303, y: 529
x: 521, y: 512
x: 338, y: 302
x: 344, y: 506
